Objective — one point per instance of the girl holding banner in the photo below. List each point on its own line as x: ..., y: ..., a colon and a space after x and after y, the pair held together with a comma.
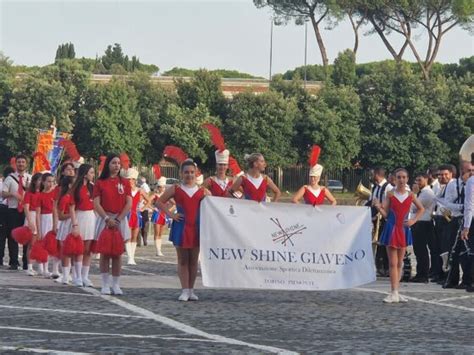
x: 185, y: 228
x: 254, y: 183
x: 396, y: 234
x: 314, y: 194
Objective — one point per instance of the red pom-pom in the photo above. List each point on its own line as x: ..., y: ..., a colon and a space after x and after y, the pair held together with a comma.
x: 73, y: 245
x: 51, y: 244
x: 216, y: 136
x: 22, y: 235
x: 156, y: 171
x: 175, y: 153
x: 314, y: 156
x: 125, y: 161
x: 39, y: 253
x: 234, y: 166
x: 93, y: 247
x: 110, y: 242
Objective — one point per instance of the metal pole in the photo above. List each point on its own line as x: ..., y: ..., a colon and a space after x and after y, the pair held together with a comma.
x: 305, y: 50
x: 271, y: 49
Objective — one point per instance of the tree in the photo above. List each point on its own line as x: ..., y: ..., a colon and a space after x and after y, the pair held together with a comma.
x: 5, y: 61
x: 400, y: 126
x: 344, y: 71
x: 262, y: 123
x: 113, y: 55
x: 65, y: 51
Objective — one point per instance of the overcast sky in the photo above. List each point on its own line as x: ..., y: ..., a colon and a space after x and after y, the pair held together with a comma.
x: 228, y: 34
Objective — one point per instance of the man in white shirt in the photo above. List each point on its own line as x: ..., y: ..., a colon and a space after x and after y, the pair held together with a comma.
x: 468, y: 227
x: 423, y: 233
x: 13, y: 189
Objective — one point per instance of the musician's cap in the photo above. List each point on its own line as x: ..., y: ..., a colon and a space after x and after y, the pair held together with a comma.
x: 222, y: 156
x: 200, y: 179
x: 162, y: 181
x: 316, y: 170
x: 131, y: 173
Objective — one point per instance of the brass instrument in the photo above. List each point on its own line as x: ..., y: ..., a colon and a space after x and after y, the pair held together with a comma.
x: 362, y: 193
x: 467, y: 149
x: 447, y: 214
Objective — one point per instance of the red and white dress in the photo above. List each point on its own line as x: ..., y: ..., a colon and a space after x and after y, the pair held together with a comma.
x: 219, y: 187
x: 185, y: 233
x: 64, y: 227
x: 85, y: 214
x: 254, y: 188
x: 46, y: 203
x: 113, y: 193
x: 158, y: 216
x: 135, y: 217
x: 314, y: 197
x: 32, y: 199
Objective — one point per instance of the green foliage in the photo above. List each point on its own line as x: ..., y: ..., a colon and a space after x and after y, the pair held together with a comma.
x: 116, y: 62
x: 65, y: 51
x: 344, y: 70
x: 222, y: 73
x: 262, y: 123
x: 313, y: 73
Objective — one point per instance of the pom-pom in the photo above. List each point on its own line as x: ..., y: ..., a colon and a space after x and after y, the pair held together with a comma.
x: 73, y: 245
x: 93, y: 247
x: 156, y: 171
x: 234, y: 166
x: 22, y: 235
x: 51, y: 244
x: 13, y: 163
x: 175, y: 153
x: 125, y: 161
x: 43, y: 160
x: 216, y: 136
x: 70, y: 149
x: 39, y: 253
x: 314, y: 156
x: 110, y: 242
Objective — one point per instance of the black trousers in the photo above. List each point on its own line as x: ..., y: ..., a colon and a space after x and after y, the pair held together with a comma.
x: 144, y: 229
x: 14, y: 219
x: 450, y: 238
x: 422, y: 235
x: 440, y: 225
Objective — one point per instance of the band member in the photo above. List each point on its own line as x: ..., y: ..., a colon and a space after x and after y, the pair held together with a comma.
x: 159, y: 218
x: 314, y: 194
x: 31, y: 203
x: 145, y: 211
x: 453, y: 204
x: 423, y: 233
x: 135, y: 217
x: 219, y: 183
x: 185, y: 228
x: 254, y: 183
x: 396, y: 234
x: 13, y: 189
x: 82, y: 215
x: 380, y: 189
x: 44, y: 218
x: 433, y: 180
x: 468, y: 225
x: 112, y: 202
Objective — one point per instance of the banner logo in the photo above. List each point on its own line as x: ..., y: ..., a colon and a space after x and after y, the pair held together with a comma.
x: 284, y: 235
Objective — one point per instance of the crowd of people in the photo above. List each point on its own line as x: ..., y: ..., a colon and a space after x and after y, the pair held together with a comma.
x: 107, y: 214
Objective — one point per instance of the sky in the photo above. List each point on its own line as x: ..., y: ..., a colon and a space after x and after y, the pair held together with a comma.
x: 219, y: 34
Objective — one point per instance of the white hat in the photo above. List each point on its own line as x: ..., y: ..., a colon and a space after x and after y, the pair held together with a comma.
x: 316, y: 170
x: 131, y: 173
x: 162, y: 181
x: 222, y: 156
x: 200, y: 179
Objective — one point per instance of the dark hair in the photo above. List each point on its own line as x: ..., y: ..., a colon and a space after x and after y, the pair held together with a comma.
x: 379, y: 171
x: 423, y: 175
x: 105, y: 173
x: 64, y: 185
x: 396, y: 171
x: 77, y: 185
x: 8, y: 170
x: 451, y: 168
x: 43, y: 179
x: 21, y: 156
x: 64, y: 166
x: 187, y: 162
x: 34, y: 180
x: 433, y: 171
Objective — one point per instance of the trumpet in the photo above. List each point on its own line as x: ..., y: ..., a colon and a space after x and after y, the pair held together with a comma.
x: 362, y: 193
x: 447, y: 214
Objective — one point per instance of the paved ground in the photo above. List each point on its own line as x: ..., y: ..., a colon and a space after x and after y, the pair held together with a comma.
x: 37, y: 315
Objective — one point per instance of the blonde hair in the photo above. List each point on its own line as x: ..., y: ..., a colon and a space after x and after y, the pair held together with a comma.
x: 250, y: 159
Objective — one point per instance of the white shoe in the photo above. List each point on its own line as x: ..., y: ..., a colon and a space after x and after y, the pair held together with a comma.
x: 116, y: 290
x: 391, y: 298
x: 193, y: 297
x: 65, y: 282
x: 402, y: 299
x: 105, y: 290
x: 78, y: 283
x: 160, y: 253
x: 131, y: 262
x: 31, y: 272
x: 184, y: 296
x: 47, y: 275
x: 69, y: 278
x: 87, y: 283
x: 58, y: 280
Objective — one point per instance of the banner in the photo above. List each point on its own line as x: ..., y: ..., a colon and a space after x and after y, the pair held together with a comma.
x: 245, y: 244
x: 48, y: 144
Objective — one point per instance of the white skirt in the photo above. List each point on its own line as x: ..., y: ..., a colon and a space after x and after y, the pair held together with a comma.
x: 124, y: 227
x: 86, y: 221
x: 33, y: 217
x: 46, y: 221
x: 64, y: 229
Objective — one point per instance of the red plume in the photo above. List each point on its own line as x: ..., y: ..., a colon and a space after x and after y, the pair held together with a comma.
x: 156, y: 171
x: 71, y: 149
x: 42, y: 158
x: 175, y: 153
x: 216, y: 136
x: 13, y: 163
x: 125, y: 160
x: 102, y: 163
x: 313, y: 158
x: 234, y: 166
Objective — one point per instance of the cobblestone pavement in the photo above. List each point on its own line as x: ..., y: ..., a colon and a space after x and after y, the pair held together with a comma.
x: 38, y: 315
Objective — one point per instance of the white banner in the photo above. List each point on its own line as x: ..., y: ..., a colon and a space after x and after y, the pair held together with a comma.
x: 245, y: 244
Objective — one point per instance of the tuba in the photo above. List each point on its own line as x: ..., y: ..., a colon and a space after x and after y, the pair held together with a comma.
x: 362, y: 193
x: 467, y: 149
